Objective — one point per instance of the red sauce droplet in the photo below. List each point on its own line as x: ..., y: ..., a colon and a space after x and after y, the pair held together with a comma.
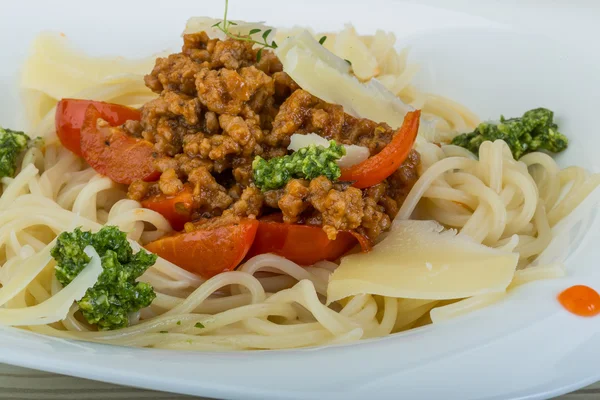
x: 580, y: 300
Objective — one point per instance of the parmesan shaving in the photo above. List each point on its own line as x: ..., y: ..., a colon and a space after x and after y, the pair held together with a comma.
x: 57, y: 307
x: 349, y: 46
x: 72, y: 71
x: 319, y: 73
x: 419, y: 260
x: 306, y: 42
x: 354, y: 154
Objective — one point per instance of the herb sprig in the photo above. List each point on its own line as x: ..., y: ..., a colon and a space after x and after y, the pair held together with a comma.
x: 224, y: 26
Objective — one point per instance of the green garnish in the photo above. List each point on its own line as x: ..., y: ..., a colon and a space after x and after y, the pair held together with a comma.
x: 534, y: 131
x: 178, y: 322
x: 12, y: 144
x: 116, y: 294
x: 224, y: 25
x: 199, y: 325
x: 306, y: 163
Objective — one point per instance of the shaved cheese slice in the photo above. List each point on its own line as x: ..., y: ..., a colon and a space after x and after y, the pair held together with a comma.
x: 354, y: 154
x: 284, y: 33
x: 243, y: 28
x: 348, y: 45
x: 56, y: 307
x: 71, y: 71
x: 382, y: 45
x: 311, y: 46
x: 320, y: 72
x: 418, y: 260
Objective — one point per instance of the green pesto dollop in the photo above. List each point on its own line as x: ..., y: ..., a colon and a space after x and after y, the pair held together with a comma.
x: 534, y: 131
x: 116, y: 294
x: 307, y: 163
x: 12, y: 144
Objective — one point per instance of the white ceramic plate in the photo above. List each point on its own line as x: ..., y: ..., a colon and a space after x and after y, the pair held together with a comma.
x: 495, y: 58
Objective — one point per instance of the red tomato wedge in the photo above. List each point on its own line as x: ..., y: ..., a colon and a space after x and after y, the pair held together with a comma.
x: 208, y: 252
x: 71, y: 112
x: 303, y: 244
x: 177, y: 209
x: 115, y: 154
x: 377, y: 168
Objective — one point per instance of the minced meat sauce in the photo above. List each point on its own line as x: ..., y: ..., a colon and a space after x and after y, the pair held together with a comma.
x: 219, y: 108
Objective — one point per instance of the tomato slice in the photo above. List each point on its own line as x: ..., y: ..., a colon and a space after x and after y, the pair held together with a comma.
x: 208, y: 251
x: 177, y: 209
x: 71, y: 112
x: 303, y: 244
x: 377, y: 168
x: 111, y: 152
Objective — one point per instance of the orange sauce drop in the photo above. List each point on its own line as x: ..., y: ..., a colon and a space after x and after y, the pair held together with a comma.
x: 580, y: 300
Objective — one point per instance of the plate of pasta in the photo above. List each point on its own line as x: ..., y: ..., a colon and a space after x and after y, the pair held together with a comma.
x: 215, y: 200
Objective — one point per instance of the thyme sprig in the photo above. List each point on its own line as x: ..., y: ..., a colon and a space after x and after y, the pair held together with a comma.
x: 224, y: 26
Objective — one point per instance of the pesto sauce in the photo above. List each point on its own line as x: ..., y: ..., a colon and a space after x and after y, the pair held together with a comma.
x: 306, y: 163
x: 534, y: 131
x: 12, y: 144
x: 116, y: 294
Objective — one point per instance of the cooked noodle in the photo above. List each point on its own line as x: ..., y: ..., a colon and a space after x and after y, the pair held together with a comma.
x: 270, y: 302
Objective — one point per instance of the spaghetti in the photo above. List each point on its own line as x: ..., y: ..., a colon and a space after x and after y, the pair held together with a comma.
x: 269, y: 302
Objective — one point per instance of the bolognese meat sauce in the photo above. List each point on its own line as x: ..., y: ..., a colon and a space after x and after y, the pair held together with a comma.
x: 218, y: 108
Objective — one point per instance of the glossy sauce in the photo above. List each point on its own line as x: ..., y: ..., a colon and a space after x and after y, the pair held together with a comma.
x: 580, y: 300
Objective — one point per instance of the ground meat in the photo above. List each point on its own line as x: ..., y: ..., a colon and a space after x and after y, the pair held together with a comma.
x: 133, y: 128
x: 196, y: 45
x: 243, y: 174
x: 169, y: 182
x: 187, y: 164
x: 174, y: 73
x: 211, y: 123
x: 247, y: 134
x: 284, y: 85
x: 291, y: 117
x: 339, y: 210
x: 272, y: 198
x: 292, y: 201
x: 301, y: 112
x: 226, y: 91
x: 209, y: 196
x: 249, y: 204
x: 232, y: 54
x: 403, y: 179
x: 167, y: 119
x: 374, y: 220
x: 269, y: 63
x: 219, y: 108
x: 138, y: 190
